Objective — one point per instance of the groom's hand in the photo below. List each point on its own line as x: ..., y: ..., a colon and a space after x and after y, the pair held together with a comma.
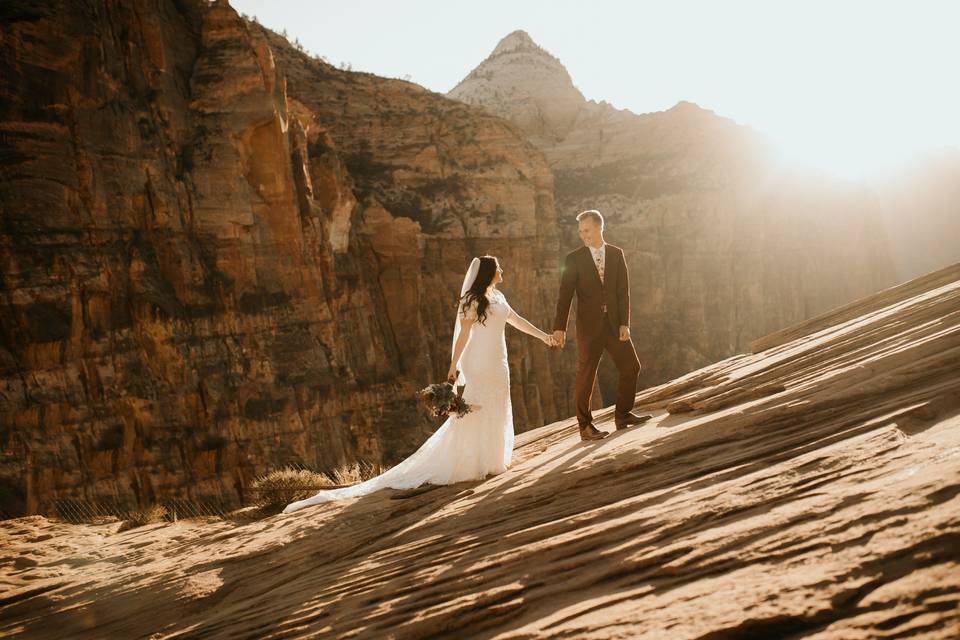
x: 624, y: 333
x: 559, y: 338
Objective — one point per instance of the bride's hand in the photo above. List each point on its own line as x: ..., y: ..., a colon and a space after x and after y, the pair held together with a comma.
x: 452, y: 374
x: 548, y: 340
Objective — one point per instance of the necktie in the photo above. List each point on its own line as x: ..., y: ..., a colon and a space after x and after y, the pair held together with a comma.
x: 598, y: 259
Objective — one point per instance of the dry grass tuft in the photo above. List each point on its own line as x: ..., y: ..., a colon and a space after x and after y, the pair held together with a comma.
x: 140, y: 517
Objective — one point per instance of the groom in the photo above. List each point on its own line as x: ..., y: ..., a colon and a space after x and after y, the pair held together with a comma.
x: 597, y: 272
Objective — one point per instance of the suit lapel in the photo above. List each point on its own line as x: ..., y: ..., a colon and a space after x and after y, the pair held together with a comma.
x: 592, y: 266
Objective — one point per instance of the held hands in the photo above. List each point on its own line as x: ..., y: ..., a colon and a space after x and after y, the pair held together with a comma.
x: 557, y: 339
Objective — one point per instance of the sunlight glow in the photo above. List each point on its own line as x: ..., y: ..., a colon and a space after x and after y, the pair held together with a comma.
x: 851, y: 147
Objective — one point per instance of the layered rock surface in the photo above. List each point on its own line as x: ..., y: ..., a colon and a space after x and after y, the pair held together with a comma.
x: 220, y: 256
x: 810, y: 488
x: 723, y: 246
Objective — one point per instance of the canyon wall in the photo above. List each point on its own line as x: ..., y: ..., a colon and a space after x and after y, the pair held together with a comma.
x: 220, y: 256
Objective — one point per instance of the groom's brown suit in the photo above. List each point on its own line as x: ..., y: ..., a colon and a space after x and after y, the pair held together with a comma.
x: 602, y: 308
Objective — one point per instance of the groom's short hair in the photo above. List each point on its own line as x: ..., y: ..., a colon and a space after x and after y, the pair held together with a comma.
x: 593, y: 214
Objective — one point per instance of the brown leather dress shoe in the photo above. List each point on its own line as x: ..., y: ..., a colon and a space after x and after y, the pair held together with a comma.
x: 629, y: 420
x: 590, y: 432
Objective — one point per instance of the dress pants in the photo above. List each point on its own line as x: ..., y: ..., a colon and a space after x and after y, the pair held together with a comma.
x: 588, y: 360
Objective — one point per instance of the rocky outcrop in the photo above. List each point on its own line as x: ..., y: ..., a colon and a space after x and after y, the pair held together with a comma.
x: 723, y: 246
x: 525, y: 84
x: 808, y: 489
x: 220, y: 256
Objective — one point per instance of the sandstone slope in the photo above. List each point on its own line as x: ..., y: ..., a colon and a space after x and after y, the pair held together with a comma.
x: 807, y: 489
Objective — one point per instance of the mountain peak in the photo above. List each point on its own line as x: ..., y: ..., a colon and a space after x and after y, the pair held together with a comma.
x: 515, y: 41
x: 522, y: 82
x: 686, y: 105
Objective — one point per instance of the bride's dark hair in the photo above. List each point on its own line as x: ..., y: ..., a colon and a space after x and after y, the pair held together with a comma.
x: 478, y: 290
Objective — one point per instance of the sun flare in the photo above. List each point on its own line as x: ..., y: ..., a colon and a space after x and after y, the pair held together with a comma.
x: 844, y: 157
x: 855, y: 140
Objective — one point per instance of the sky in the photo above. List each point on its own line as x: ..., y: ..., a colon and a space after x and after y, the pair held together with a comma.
x: 853, y: 87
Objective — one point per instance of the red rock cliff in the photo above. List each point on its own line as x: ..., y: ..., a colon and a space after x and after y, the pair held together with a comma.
x: 219, y: 256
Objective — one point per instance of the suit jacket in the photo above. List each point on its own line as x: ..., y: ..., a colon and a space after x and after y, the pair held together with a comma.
x: 580, y: 276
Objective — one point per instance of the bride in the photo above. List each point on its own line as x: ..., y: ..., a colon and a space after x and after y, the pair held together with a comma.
x: 481, y: 442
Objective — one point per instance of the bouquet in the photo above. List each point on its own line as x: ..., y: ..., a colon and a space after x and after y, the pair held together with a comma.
x: 441, y: 400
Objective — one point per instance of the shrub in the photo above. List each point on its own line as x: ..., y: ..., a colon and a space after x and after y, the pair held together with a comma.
x: 280, y: 487
x: 357, y: 472
x: 147, y: 515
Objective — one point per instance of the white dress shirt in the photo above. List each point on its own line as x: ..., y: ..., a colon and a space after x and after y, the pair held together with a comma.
x: 599, y: 258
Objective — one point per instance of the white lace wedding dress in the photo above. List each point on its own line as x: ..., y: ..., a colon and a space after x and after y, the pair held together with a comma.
x: 467, y: 448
